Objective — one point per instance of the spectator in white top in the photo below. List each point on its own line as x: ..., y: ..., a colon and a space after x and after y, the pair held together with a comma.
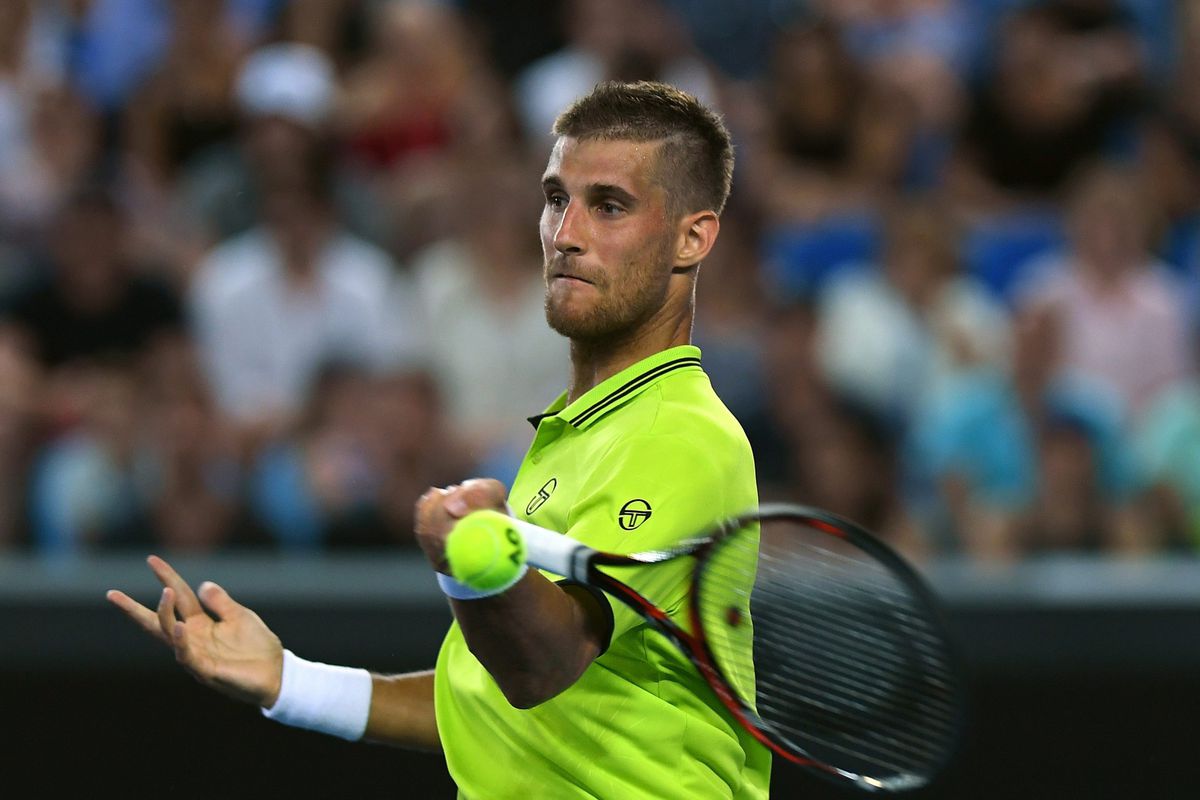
x: 1122, y: 315
x: 483, y: 296
x: 887, y: 336
x: 274, y: 304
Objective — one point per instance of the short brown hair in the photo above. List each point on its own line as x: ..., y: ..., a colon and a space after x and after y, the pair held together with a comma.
x: 696, y: 159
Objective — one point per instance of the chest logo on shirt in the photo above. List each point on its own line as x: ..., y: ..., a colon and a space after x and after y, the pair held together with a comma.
x: 543, y: 494
x: 633, y: 514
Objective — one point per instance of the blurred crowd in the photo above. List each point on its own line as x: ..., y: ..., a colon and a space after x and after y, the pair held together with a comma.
x: 269, y: 269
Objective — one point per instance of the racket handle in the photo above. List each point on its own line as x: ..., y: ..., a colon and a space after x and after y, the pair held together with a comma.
x: 553, y: 551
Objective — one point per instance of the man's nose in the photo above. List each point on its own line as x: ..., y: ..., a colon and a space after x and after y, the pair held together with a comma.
x: 569, y: 237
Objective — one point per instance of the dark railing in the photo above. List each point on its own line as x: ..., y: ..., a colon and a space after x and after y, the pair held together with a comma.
x: 1085, y: 676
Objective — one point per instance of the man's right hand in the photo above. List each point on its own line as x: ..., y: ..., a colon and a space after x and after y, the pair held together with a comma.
x: 236, y: 653
x: 438, y: 510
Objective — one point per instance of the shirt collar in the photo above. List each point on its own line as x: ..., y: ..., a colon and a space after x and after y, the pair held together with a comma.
x: 620, y: 388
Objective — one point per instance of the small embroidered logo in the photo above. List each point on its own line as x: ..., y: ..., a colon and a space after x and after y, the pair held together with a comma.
x: 633, y: 514
x: 543, y: 494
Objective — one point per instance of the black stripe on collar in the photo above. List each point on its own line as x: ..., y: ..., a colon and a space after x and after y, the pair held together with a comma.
x: 632, y: 386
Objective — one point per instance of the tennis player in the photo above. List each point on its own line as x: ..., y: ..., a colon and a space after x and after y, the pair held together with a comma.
x: 545, y: 688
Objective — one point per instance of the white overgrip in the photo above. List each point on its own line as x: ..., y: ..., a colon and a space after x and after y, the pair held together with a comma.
x: 552, y: 551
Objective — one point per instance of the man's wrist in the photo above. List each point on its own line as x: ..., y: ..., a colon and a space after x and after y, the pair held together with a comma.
x: 273, y: 697
x: 322, y: 697
x: 460, y: 591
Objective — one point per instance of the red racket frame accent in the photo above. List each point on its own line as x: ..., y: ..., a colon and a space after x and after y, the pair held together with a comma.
x: 695, y: 645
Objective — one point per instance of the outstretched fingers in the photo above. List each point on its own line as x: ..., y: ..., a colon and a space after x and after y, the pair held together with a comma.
x: 221, y: 643
x: 179, y: 637
x: 185, y: 599
x: 177, y: 598
x: 218, y: 601
x: 166, y: 614
x: 146, y: 619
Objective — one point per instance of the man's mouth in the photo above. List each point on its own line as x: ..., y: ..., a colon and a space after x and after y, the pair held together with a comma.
x: 570, y: 277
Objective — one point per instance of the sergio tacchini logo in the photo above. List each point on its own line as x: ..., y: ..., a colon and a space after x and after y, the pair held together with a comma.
x: 633, y: 514
x: 543, y: 494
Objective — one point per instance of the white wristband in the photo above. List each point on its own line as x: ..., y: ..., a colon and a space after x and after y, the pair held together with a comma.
x: 460, y: 591
x: 323, y: 698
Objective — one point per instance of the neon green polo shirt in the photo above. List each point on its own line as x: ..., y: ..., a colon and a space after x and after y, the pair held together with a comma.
x: 647, y: 458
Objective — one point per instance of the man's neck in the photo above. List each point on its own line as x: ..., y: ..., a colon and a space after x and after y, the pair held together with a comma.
x: 593, y: 362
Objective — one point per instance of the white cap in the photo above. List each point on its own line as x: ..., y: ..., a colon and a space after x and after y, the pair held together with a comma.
x: 291, y: 80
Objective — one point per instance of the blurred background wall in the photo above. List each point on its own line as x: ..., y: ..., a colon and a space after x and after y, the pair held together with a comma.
x: 256, y: 257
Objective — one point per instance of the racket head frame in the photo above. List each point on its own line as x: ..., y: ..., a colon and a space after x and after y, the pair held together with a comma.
x: 695, y: 646
x: 857, y: 536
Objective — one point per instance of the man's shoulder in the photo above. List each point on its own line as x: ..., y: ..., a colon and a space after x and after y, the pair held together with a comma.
x: 686, y: 403
x: 681, y: 420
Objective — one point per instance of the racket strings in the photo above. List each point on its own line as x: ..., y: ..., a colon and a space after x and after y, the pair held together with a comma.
x: 862, y: 619
x: 836, y: 579
x: 851, y: 676
x: 854, y: 694
x: 831, y: 649
x: 854, y: 641
x: 851, y: 659
x: 835, y: 744
x: 833, y: 701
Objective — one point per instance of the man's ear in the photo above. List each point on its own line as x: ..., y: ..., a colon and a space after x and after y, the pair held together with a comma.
x: 697, y: 235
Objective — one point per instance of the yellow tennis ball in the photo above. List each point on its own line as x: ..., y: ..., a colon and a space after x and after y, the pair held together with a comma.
x: 485, y: 550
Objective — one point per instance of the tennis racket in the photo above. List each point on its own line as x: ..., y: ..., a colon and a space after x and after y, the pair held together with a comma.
x: 819, y: 639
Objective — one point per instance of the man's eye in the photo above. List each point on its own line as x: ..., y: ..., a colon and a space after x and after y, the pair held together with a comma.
x: 556, y: 201
x: 610, y: 208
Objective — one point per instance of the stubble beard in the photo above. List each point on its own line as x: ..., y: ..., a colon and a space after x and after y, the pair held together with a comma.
x: 620, y: 311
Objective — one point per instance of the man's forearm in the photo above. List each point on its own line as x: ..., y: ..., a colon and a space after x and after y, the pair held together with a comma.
x: 402, y: 711
x: 535, y: 639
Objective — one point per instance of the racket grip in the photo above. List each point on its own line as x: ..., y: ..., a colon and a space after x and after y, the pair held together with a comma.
x: 553, y: 551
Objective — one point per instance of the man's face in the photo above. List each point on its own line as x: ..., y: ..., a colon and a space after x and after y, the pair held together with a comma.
x: 607, y: 238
